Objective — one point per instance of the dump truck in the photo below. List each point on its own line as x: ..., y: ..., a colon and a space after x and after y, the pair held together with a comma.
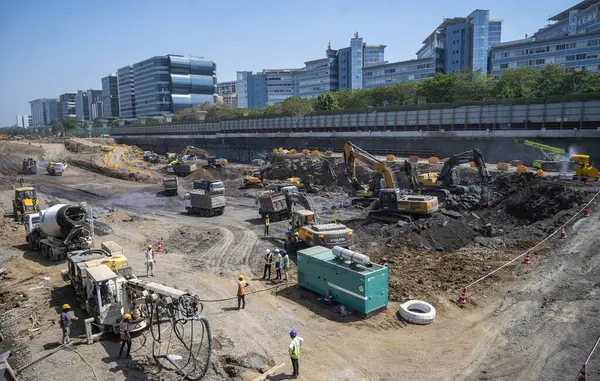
x: 274, y: 205
x: 182, y: 169
x: 204, y: 203
x: 313, y: 234
x: 55, y: 169
x: 62, y: 229
x: 29, y: 166
x: 170, y: 184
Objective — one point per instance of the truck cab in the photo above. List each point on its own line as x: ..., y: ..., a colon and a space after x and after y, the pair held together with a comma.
x: 32, y: 221
x: 210, y: 186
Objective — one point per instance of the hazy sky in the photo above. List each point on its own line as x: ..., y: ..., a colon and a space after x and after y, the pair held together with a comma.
x: 53, y: 47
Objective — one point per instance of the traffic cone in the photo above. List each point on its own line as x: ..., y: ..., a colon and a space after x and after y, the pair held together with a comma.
x: 159, y: 246
x: 563, y: 234
x: 583, y: 374
x: 462, y: 298
x: 585, y: 181
x: 586, y: 212
x: 527, y: 259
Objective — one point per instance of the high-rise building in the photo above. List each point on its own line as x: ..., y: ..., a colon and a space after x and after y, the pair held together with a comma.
x: 243, y: 87
x: 571, y: 41
x: 126, y: 93
x: 495, y: 33
x: 67, y: 105
x: 228, y: 94
x: 318, y: 76
x: 166, y: 84
x: 82, y: 106
x: 23, y: 121
x: 95, y: 104
x: 373, y: 55
x: 389, y: 74
x: 45, y: 111
x: 110, y: 96
x: 350, y: 64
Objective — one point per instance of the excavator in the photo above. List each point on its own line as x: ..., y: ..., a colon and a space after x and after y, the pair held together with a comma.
x: 426, y: 183
x: 556, y: 159
x: 386, y: 202
x: 449, y: 177
x: 191, y: 152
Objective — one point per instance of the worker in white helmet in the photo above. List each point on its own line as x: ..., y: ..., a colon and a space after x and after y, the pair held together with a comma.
x: 268, y: 263
x: 149, y: 261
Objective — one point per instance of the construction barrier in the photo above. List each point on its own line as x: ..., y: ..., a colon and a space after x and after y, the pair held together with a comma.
x: 502, y: 166
x: 522, y: 169
x: 527, y: 253
x: 328, y: 153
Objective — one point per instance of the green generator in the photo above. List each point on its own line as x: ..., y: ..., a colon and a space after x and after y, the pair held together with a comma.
x: 349, y: 277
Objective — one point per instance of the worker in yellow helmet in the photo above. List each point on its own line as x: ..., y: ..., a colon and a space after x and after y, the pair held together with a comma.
x: 65, y: 323
x: 125, y: 335
x: 241, y: 293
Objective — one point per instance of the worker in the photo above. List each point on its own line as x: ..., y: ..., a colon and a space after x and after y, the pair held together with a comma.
x: 278, y: 259
x: 125, y: 335
x: 296, y: 242
x: 288, y: 240
x: 65, y: 323
x: 294, y: 350
x: 268, y: 263
x: 150, y: 261
x: 286, y: 263
x: 241, y: 293
x: 267, y: 223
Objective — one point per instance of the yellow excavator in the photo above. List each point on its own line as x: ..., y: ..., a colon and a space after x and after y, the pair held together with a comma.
x: 190, y: 151
x: 584, y: 170
x: 386, y: 202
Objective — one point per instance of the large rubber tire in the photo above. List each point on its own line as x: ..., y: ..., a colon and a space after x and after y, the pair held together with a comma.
x: 417, y: 312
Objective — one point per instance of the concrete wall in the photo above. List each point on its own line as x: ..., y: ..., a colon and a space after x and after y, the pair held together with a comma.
x: 495, y: 147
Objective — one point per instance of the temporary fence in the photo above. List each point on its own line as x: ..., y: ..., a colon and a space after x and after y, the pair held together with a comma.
x: 527, y: 253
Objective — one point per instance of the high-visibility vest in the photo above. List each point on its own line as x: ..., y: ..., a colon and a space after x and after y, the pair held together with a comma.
x: 267, y: 222
x: 295, y: 352
x: 241, y: 288
x: 124, y: 330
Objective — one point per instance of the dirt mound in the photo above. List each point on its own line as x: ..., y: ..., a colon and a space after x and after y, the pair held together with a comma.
x: 110, y: 172
x: 190, y: 241
x: 532, y: 198
x: 77, y: 146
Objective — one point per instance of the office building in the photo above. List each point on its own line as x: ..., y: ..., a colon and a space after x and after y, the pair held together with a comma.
x: 110, y: 96
x: 571, y: 41
x: 318, y: 76
x: 243, y: 86
x: 350, y: 64
x: 94, y: 104
x: 44, y: 111
x: 227, y: 93
x: 126, y: 93
x: 166, y: 84
x: 495, y: 33
x: 23, y: 121
x: 67, y: 105
x: 82, y: 106
x: 405, y: 71
x: 280, y: 84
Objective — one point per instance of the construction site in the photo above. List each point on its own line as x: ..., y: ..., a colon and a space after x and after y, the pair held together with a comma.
x: 402, y: 266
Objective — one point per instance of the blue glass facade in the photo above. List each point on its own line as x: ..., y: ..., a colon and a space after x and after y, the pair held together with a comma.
x: 243, y: 87
x: 318, y: 77
x: 480, y: 39
x: 126, y: 93
x: 572, y: 42
x: 374, y: 55
x: 458, y: 47
x: 45, y: 111
x: 405, y: 71
x: 82, y: 105
x: 279, y: 84
x: 110, y: 96
x: 67, y: 105
x: 494, y: 33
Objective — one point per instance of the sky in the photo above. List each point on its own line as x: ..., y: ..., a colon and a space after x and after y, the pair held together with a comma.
x: 49, y: 48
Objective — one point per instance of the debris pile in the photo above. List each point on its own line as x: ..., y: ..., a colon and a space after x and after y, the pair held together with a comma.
x: 189, y: 241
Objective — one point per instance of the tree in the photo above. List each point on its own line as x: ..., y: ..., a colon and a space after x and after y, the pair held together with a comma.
x: 57, y: 127
x: 440, y: 88
x: 473, y: 86
x: 296, y: 106
x: 517, y: 83
x: 591, y: 84
x: 551, y: 80
x: 326, y: 102
x: 152, y: 121
x: 71, y: 123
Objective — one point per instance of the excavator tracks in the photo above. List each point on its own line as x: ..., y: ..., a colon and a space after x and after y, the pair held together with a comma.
x: 390, y: 217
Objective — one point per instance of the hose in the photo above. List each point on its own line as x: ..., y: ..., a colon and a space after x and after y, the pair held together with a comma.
x: 90, y: 365
x: 235, y: 297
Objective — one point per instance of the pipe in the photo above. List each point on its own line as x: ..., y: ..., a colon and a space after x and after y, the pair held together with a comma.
x: 352, y: 256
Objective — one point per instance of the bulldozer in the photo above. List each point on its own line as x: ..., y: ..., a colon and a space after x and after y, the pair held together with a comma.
x: 25, y: 202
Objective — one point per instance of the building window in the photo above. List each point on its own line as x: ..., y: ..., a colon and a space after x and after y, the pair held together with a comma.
x: 389, y: 71
x: 504, y: 66
x: 580, y: 57
x: 592, y: 42
x: 571, y: 57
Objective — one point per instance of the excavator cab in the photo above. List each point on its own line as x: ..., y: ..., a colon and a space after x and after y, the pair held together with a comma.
x: 302, y: 218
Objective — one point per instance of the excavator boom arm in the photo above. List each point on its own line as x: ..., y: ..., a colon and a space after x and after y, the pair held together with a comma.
x: 353, y: 153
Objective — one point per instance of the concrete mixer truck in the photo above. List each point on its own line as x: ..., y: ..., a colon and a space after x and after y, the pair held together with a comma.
x: 61, y: 229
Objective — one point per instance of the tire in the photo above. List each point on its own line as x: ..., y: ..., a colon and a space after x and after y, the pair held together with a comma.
x: 417, y: 312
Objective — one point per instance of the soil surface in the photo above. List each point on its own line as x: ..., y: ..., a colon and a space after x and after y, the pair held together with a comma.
x: 525, y: 322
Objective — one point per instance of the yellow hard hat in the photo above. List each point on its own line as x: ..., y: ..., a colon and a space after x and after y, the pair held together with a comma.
x: 149, y: 246
x: 66, y: 306
x: 240, y: 276
x: 127, y: 316
x: 296, y: 233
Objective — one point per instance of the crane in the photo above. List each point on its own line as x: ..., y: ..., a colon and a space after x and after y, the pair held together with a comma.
x: 366, y: 194
x: 386, y: 202
x: 554, y: 157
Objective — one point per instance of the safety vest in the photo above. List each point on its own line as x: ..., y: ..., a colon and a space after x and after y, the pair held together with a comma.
x: 241, y: 288
x: 295, y: 352
x: 286, y: 262
x: 267, y: 222
x: 124, y: 330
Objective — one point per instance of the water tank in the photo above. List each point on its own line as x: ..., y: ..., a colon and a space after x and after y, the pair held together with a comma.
x: 58, y: 220
x: 352, y: 256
